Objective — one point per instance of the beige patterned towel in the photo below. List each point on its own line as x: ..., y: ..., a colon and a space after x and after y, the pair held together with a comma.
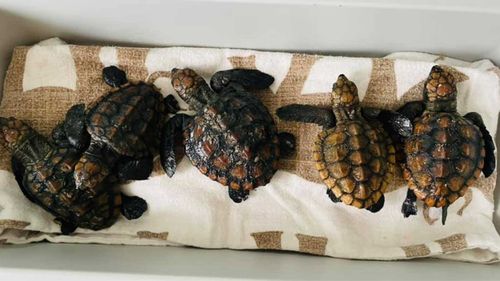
x: 292, y: 212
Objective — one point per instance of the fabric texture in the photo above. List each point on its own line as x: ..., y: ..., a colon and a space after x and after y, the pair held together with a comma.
x: 292, y: 212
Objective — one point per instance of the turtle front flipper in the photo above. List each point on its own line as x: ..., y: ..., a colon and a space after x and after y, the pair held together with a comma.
x: 75, y: 128
x: 59, y: 137
x: 395, y: 123
x: 171, y: 104
x: 489, y: 144
x: 114, y: 77
x: 133, y: 207
x: 307, y: 114
x: 249, y: 79
x: 412, y: 109
x: 409, y: 207
x: 134, y: 169
x: 170, y: 133
x: 287, y: 144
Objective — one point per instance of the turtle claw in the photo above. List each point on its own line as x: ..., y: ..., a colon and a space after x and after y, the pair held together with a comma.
x: 133, y: 207
x: 377, y: 206
x: 237, y: 196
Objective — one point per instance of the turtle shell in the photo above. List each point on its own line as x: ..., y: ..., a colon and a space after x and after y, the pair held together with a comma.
x: 445, y: 156
x: 49, y: 183
x: 356, y: 161
x: 128, y: 119
x: 234, y: 141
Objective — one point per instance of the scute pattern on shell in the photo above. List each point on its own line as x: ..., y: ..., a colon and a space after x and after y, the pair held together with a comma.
x: 445, y: 156
x: 50, y: 181
x: 356, y: 160
x: 128, y: 119
x: 234, y: 141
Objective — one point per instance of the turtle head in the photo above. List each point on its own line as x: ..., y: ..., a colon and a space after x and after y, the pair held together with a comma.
x: 191, y: 87
x: 345, y: 100
x: 440, y: 90
x: 13, y: 132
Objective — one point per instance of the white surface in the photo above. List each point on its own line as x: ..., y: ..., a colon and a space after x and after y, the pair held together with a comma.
x: 465, y: 29
x: 98, y: 262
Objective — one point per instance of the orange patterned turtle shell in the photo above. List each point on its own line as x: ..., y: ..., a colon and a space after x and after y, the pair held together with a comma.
x: 234, y: 141
x: 356, y: 158
x: 445, y: 154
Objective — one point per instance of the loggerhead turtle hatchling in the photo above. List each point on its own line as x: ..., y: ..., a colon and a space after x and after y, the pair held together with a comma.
x: 446, y: 152
x: 232, y: 138
x: 354, y: 155
x: 44, y: 172
x: 124, y: 127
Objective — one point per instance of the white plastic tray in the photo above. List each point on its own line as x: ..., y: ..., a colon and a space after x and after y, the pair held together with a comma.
x: 459, y: 28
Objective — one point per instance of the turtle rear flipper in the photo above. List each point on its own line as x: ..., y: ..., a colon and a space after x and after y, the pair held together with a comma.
x: 332, y: 196
x: 170, y: 133
x: 489, y: 144
x: 114, y: 77
x: 409, y: 207
x: 444, y: 214
x: 249, y: 79
x: 66, y: 227
x: 287, y: 144
x: 133, y: 207
x: 134, y: 169
x: 238, y: 195
x: 307, y: 114
x: 377, y: 206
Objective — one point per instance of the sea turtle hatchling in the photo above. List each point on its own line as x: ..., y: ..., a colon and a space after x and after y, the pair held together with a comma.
x: 44, y: 172
x: 232, y: 138
x: 446, y: 152
x: 354, y: 154
x: 124, y: 127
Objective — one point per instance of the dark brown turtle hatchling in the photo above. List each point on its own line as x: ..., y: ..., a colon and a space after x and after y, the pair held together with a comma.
x: 44, y: 172
x: 446, y: 152
x: 124, y: 127
x: 354, y: 155
x: 232, y: 138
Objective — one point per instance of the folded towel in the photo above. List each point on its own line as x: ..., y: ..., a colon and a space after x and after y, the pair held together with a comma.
x: 292, y: 212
